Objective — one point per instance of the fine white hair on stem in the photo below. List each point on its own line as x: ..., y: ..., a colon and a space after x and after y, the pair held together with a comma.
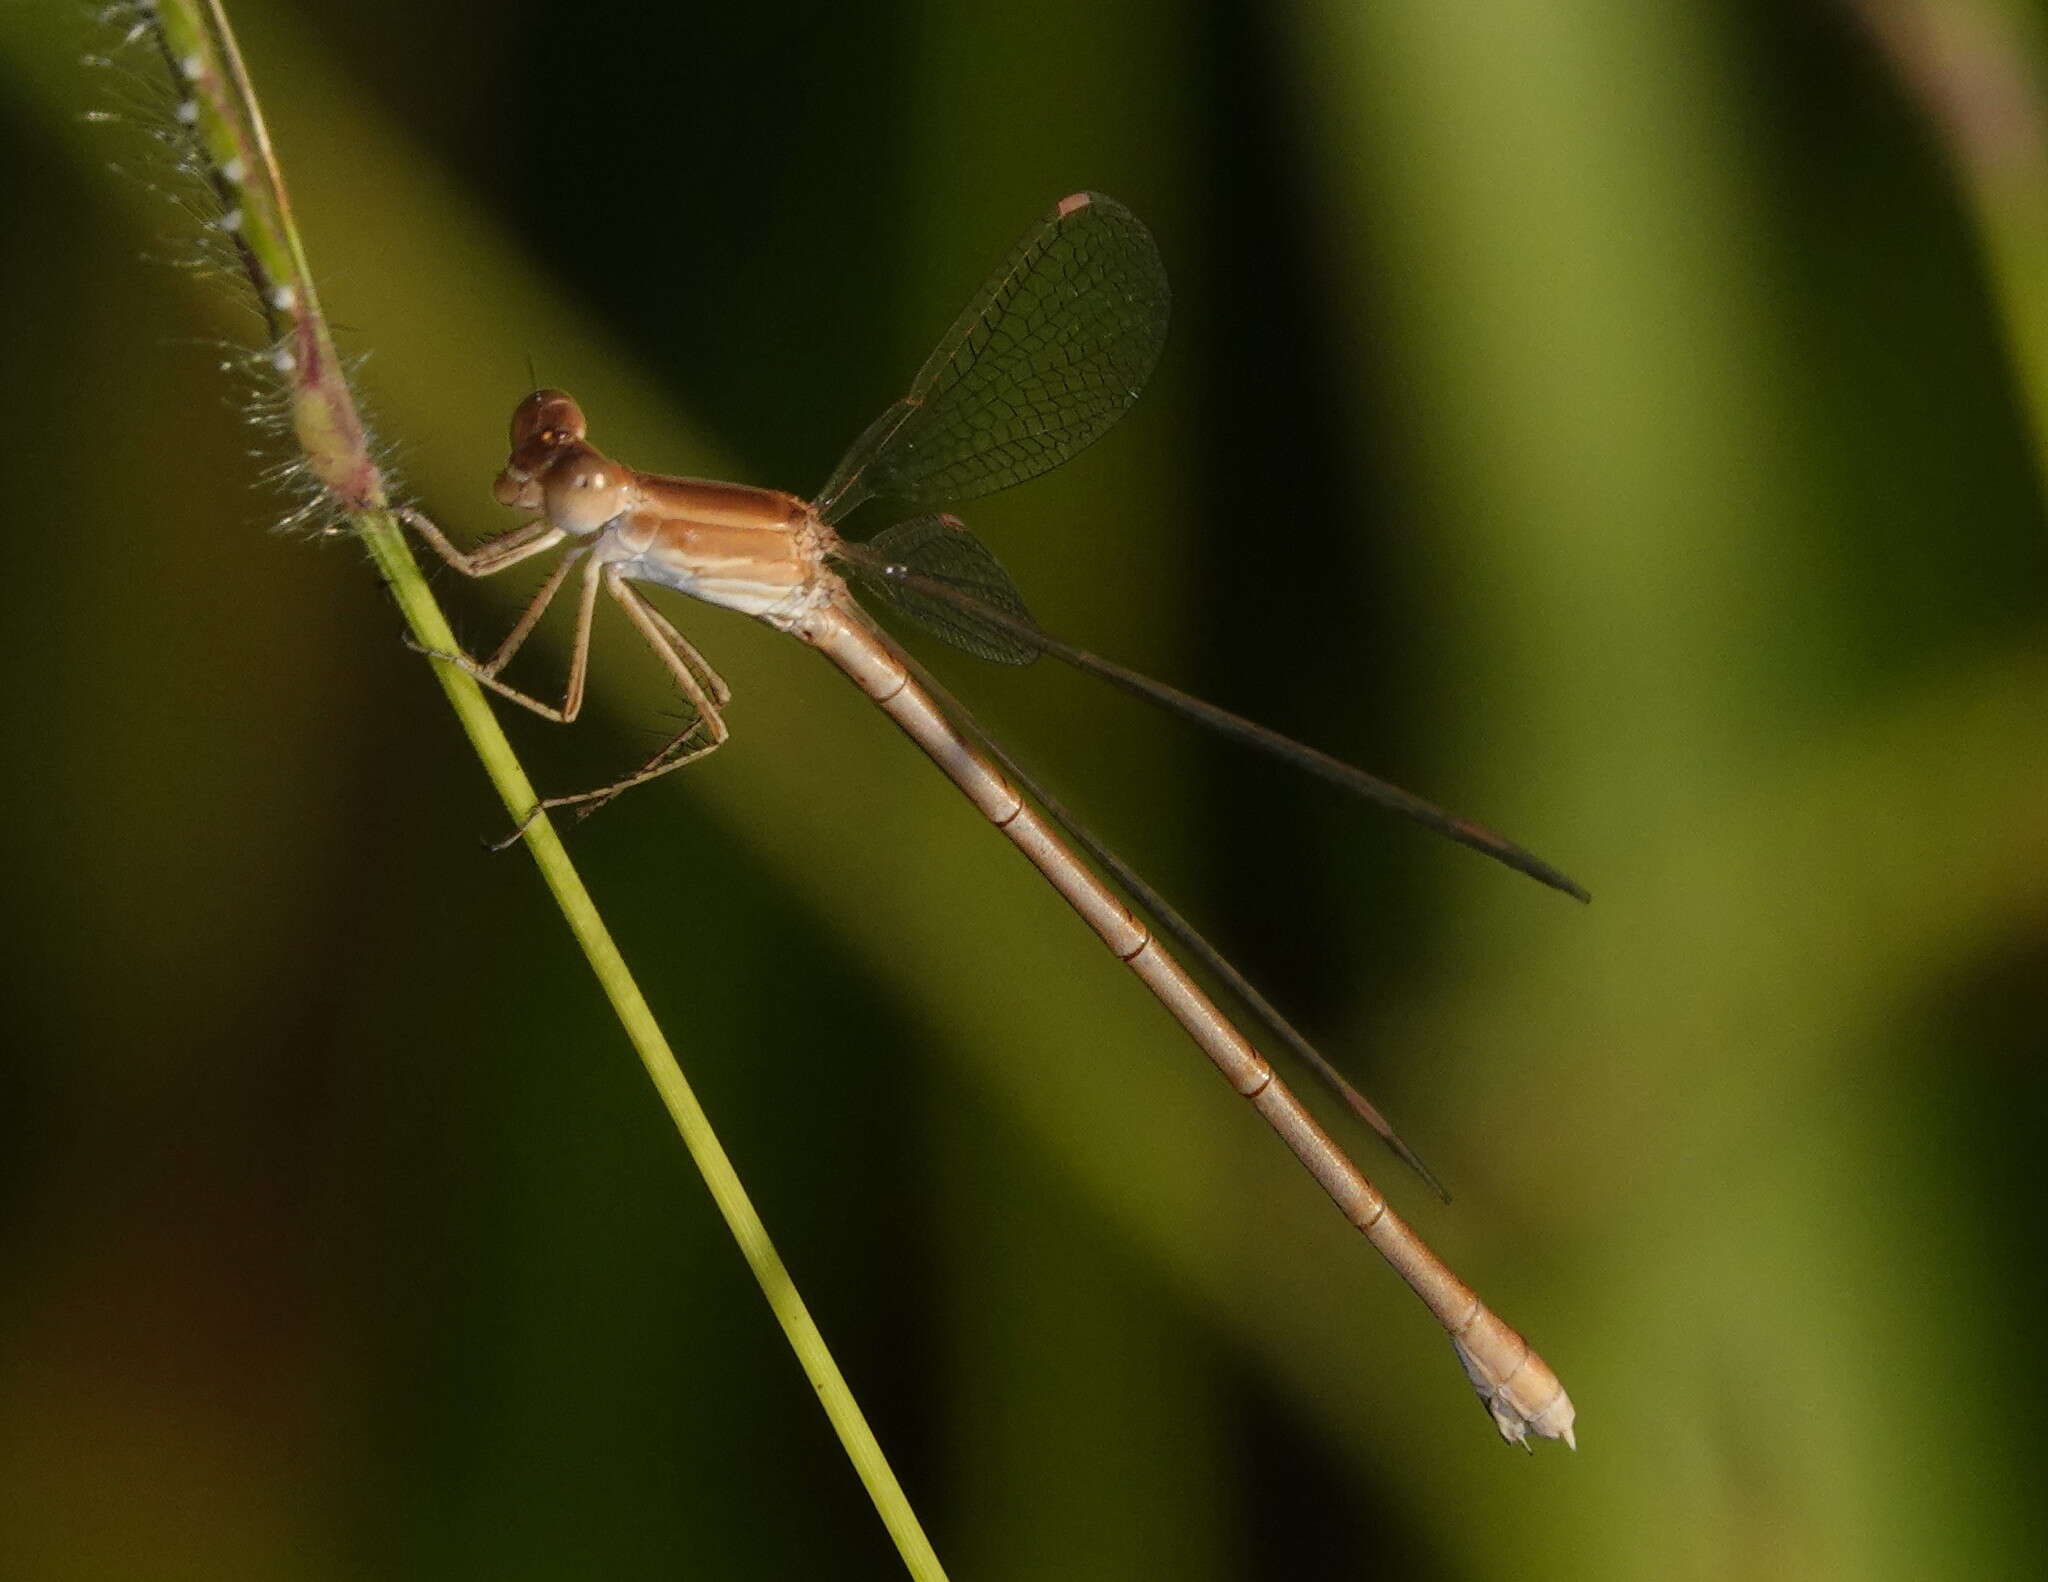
x: 149, y: 115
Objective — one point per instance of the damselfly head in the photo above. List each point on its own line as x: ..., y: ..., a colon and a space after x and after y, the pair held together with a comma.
x: 551, y: 469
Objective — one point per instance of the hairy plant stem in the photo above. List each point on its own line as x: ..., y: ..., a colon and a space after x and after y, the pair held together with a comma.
x: 227, y: 127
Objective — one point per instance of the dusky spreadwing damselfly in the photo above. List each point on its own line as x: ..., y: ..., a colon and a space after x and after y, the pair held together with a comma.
x: 1047, y: 356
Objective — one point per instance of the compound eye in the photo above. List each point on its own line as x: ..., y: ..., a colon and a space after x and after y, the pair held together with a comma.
x: 549, y: 416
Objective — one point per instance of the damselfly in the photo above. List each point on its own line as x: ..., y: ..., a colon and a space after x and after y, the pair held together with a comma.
x: 1051, y: 351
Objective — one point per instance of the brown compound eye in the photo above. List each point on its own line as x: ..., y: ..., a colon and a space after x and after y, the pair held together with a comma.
x: 550, y: 417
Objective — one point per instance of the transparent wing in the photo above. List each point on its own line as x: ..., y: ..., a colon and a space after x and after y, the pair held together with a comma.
x: 1050, y: 353
x: 945, y: 579
x: 966, y: 616
x: 1166, y: 917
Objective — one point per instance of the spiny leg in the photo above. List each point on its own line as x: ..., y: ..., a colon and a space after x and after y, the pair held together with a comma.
x: 530, y: 618
x: 683, y: 661
x: 579, y: 652
x: 706, y: 734
x: 700, y: 740
x: 703, y: 688
x: 714, y: 683
x: 494, y: 554
x: 684, y: 749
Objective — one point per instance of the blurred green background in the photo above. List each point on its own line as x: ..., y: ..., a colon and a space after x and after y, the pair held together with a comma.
x: 1597, y: 415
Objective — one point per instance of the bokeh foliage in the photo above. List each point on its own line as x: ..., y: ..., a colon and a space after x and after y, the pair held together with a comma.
x: 1599, y: 415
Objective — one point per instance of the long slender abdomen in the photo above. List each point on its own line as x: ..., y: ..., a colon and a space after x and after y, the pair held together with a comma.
x: 1516, y: 1386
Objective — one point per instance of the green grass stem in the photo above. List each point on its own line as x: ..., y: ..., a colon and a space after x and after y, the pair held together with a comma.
x: 227, y: 125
